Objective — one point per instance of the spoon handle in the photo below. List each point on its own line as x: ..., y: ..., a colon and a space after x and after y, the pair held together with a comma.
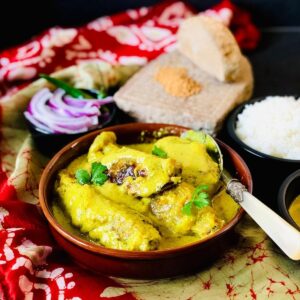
x: 281, y: 232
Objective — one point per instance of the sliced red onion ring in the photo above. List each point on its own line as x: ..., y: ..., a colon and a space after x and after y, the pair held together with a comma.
x: 57, y: 101
x: 56, y: 113
x: 87, y: 102
x: 42, y: 112
x: 36, y: 123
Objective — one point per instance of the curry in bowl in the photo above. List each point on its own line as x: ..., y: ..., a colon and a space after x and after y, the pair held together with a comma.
x: 154, y: 195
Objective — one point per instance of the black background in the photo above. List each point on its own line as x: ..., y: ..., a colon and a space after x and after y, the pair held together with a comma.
x: 21, y: 20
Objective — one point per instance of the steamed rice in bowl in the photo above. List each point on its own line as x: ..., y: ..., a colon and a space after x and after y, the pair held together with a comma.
x: 265, y: 131
x: 271, y: 126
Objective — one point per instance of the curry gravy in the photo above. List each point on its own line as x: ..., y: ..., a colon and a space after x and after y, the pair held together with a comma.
x: 142, y: 210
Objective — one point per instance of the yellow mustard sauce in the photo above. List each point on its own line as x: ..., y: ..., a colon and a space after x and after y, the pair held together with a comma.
x: 139, y: 213
x: 294, y: 210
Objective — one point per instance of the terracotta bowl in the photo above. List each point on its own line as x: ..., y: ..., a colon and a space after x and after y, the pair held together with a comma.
x: 136, y: 264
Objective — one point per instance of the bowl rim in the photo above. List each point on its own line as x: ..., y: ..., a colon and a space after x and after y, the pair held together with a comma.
x: 231, y: 122
x: 128, y: 254
x: 282, y: 196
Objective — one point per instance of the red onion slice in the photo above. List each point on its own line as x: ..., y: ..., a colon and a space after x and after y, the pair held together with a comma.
x: 36, y: 123
x: 87, y: 102
x: 55, y: 127
x: 59, y: 113
x: 57, y: 101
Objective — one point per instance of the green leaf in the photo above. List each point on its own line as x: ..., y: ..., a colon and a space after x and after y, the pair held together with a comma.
x: 100, y: 179
x: 203, y: 196
x: 82, y: 176
x: 98, y: 175
x: 159, y: 152
x: 199, y: 199
x: 187, y: 208
x: 99, y: 94
x: 201, y: 202
x: 72, y: 91
x: 98, y: 167
x: 200, y: 188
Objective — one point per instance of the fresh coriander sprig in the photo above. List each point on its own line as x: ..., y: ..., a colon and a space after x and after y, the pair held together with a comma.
x: 200, y: 199
x: 98, y: 175
x: 159, y: 152
x: 82, y: 176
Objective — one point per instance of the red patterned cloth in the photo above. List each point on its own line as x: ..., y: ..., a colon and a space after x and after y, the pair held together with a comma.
x: 135, y: 36
x: 31, y: 265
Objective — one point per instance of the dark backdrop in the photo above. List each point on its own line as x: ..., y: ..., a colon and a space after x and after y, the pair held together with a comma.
x: 22, y: 19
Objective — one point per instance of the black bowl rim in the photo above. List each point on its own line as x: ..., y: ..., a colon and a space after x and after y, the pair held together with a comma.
x: 230, y: 125
x: 281, y: 197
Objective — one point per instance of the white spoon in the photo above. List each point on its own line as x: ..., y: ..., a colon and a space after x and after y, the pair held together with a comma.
x: 284, y: 235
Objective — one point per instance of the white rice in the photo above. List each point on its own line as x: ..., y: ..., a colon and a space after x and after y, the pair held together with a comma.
x: 272, y: 126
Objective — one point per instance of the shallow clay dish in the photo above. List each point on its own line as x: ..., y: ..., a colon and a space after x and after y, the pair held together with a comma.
x: 136, y: 264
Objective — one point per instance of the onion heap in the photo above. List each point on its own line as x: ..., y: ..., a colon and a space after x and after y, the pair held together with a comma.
x: 57, y: 112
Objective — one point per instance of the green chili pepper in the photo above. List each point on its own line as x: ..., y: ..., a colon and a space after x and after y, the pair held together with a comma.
x: 74, y: 92
x: 99, y: 94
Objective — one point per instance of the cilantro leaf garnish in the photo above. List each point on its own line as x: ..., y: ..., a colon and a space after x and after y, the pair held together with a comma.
x: 159, y: 152
x: 100, y: 179
x: 187, y: 208
x: 82, y: 176
x: 200, y: 199
x: 98, y: 174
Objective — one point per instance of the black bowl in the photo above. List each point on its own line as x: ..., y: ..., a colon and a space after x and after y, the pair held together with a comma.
x: 289, y: 190
x: 268, y: 171
x: 50, y: 143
